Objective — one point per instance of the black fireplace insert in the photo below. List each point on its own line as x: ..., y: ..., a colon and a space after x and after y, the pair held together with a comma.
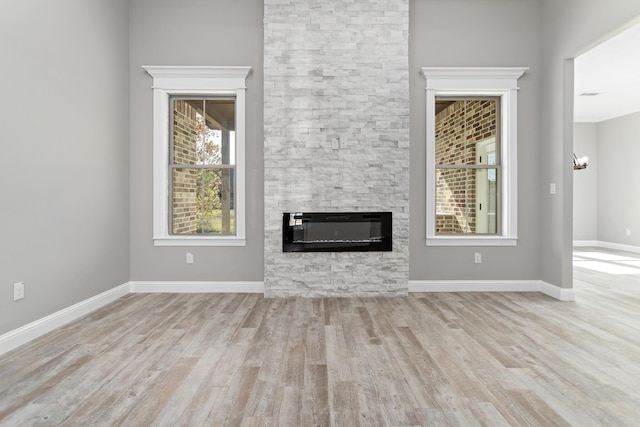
x: 336, y: 231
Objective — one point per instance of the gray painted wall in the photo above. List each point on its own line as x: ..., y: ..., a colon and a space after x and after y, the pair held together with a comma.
x: 478, y: 33
x: 619, y: 180
x: 194, y: 32
x: 570, y: 27
x: 65, y: 189
x: 585, y: 183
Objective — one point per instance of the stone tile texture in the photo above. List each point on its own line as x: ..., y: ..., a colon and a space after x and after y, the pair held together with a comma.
x: 336, y: 126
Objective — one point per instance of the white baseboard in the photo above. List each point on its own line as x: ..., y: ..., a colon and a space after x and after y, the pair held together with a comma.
x: 33, y: 330
x: 583, y: 243
x: 608, y: 245
x: 620, y: 247
x: 197, y: 287
x: 561, y: 294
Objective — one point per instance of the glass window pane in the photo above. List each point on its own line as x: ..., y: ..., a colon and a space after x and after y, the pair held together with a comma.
x: 486, y: 201
x: 451, y: 145
x: 461, y: 124
x: 452, y: 201
x: 203, y: 131
x: 466, y: 201
x: 203, y: 201
x: 186, y: 133
x: 220, y: 127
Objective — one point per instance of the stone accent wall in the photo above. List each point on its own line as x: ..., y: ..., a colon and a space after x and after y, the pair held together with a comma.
x: 459, y: 127
x: 336, y: 126
x: 184, y: 201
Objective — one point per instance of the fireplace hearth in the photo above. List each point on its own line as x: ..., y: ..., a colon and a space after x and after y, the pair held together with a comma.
x: 336, y: 231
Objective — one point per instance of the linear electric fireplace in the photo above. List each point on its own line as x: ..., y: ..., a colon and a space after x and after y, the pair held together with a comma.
x: 336, y: 231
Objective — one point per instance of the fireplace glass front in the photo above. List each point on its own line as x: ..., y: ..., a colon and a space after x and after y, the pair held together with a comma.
x: 336, y: 231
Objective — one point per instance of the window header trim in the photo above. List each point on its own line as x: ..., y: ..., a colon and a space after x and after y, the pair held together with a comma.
x: 178, y: 71
x: 472, y: 78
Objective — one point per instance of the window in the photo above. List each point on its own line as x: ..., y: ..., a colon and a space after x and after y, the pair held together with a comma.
x: 467, y: 165
x: 198, y: 155
x: 471, y: 156
x: 202, y: 166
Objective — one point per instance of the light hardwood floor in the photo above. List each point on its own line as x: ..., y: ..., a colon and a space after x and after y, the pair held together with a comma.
x: 492, y: 359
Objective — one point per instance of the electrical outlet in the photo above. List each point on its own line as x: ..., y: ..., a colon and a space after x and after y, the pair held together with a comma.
x: 628, y: 232
x: 18, y: 291
x: 478, y: 258
x: 189, y: 258
x: 552, y: 188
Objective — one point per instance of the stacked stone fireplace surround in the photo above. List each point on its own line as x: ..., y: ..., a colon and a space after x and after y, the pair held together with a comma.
x: 336, y: 126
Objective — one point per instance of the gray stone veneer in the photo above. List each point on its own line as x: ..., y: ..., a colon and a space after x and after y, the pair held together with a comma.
x: 336, y: 126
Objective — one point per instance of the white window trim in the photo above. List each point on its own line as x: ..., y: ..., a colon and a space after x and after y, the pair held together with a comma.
x: 471, y: 81
x: 205, y: 81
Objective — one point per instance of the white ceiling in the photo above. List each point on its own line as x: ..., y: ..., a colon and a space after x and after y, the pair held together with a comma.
x: 612, y: 71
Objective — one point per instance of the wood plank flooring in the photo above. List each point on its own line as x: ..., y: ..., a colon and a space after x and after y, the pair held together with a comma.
x: 467, y: 359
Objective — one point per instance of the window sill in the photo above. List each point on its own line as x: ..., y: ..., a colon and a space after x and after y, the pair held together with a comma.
x: 199, y: 241
x: 472, y: 241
